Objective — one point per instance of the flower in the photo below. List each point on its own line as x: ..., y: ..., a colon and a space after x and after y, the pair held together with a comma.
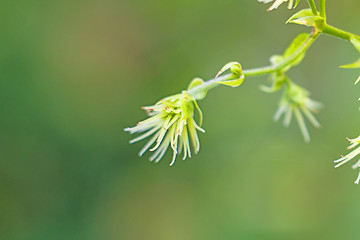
x: 171, y: 123
x: 344, y: 159
x: 295, y: 99
x: 277, y: 3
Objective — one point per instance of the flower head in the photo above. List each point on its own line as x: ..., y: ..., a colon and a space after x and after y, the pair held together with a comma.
x: 296, y: 100
x: 170, y: 123
x: 344, y: 159
x: 277, y: 3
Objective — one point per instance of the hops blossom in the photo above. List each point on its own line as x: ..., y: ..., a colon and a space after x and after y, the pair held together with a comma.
x: 344, y: 159
x: 277, y: 3
x: 171, y: 123
x: 296, y: 100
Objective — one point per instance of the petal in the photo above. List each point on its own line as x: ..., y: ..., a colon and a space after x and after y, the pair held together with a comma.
x: 148, y: 144
x: 281, y: 109
x: 145, y: 135
x: 159, y: 153
x: 193, y: 135
x: 302, y: 125
x: 162, y: 133
x: 311, y: 117
x: 348, y: 157
x: 288, y: 116
x: 358, y: 179
x: 185, y: 140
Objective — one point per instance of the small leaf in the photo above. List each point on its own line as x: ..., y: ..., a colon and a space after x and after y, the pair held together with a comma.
x: 235, y: 79
x: 200, y: 94
x: 358, y: 80
x: 356, y: 43
x: 297, y: 2
x: 195, y: 82
x: 352, y: 65
x: 307, y: 18
x: 294, y: 46
x: 301, y: 14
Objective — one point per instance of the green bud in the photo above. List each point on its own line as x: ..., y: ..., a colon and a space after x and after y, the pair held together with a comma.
x: 235, y: 79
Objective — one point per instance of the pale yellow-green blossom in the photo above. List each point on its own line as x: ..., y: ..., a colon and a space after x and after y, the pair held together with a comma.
x: 344, y: 159
x: 170, y: 123
x: 277, y: 3
x: 296, y: 101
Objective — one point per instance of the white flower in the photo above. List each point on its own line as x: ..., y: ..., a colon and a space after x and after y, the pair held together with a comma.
x: 344, y: 159
x: 171, y: 123
x: 296, y: 100
x: 277, y: 3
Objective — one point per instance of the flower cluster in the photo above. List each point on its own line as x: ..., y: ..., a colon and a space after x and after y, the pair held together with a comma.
x: 277, y: 3
x: 296, y: 100
x: 171, y: 123
x: 344, y: 159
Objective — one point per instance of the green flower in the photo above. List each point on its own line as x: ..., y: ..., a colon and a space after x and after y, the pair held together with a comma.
x: 171, y: 123
x: 296, y: 101
x: 277, y: 3
x: 344, y: 159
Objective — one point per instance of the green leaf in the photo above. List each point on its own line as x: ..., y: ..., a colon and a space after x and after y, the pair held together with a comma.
x: 307, y: 18
x: 294, y: 46
x: 352, y: 65
x: 358, y: 80
x: 356, y: 43
x: 297, y: 2
x: 194, y: 83
x: 301, y: 14
x: 235, y: 79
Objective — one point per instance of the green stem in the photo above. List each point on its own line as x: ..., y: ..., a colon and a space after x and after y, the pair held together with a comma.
x: 322, y: 8
x: 333, y: 31
x: 313, y: 7
x: 260, y: 71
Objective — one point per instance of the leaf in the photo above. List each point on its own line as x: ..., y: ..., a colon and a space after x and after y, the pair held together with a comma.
x: 194, y: 83
x: 235, y: 79
x: 294, y: 46
x: 301, y: 14
x: 352, y: 65
x: 307, y: 18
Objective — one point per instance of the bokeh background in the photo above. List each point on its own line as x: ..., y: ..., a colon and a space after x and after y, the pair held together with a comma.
x: 75, y: 73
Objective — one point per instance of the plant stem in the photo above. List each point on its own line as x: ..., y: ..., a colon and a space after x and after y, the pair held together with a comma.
x: 313, y: 7
x: 262, y: 70
x: 322, y: 8
x: 333, y: 31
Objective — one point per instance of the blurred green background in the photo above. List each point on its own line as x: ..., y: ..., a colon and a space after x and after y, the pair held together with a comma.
x: 75, y: 73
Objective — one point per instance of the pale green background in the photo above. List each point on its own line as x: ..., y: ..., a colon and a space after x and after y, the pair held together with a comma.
x: 75, y: 73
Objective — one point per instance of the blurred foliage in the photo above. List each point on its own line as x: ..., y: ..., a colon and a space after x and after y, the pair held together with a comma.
x: 75, y: 73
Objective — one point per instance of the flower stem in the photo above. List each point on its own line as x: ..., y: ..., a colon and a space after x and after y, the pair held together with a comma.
x: 262, y: 70
x: 313, y: 7
x: 328, y: 29
x: 333, y: 31
x: 322, y: 8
